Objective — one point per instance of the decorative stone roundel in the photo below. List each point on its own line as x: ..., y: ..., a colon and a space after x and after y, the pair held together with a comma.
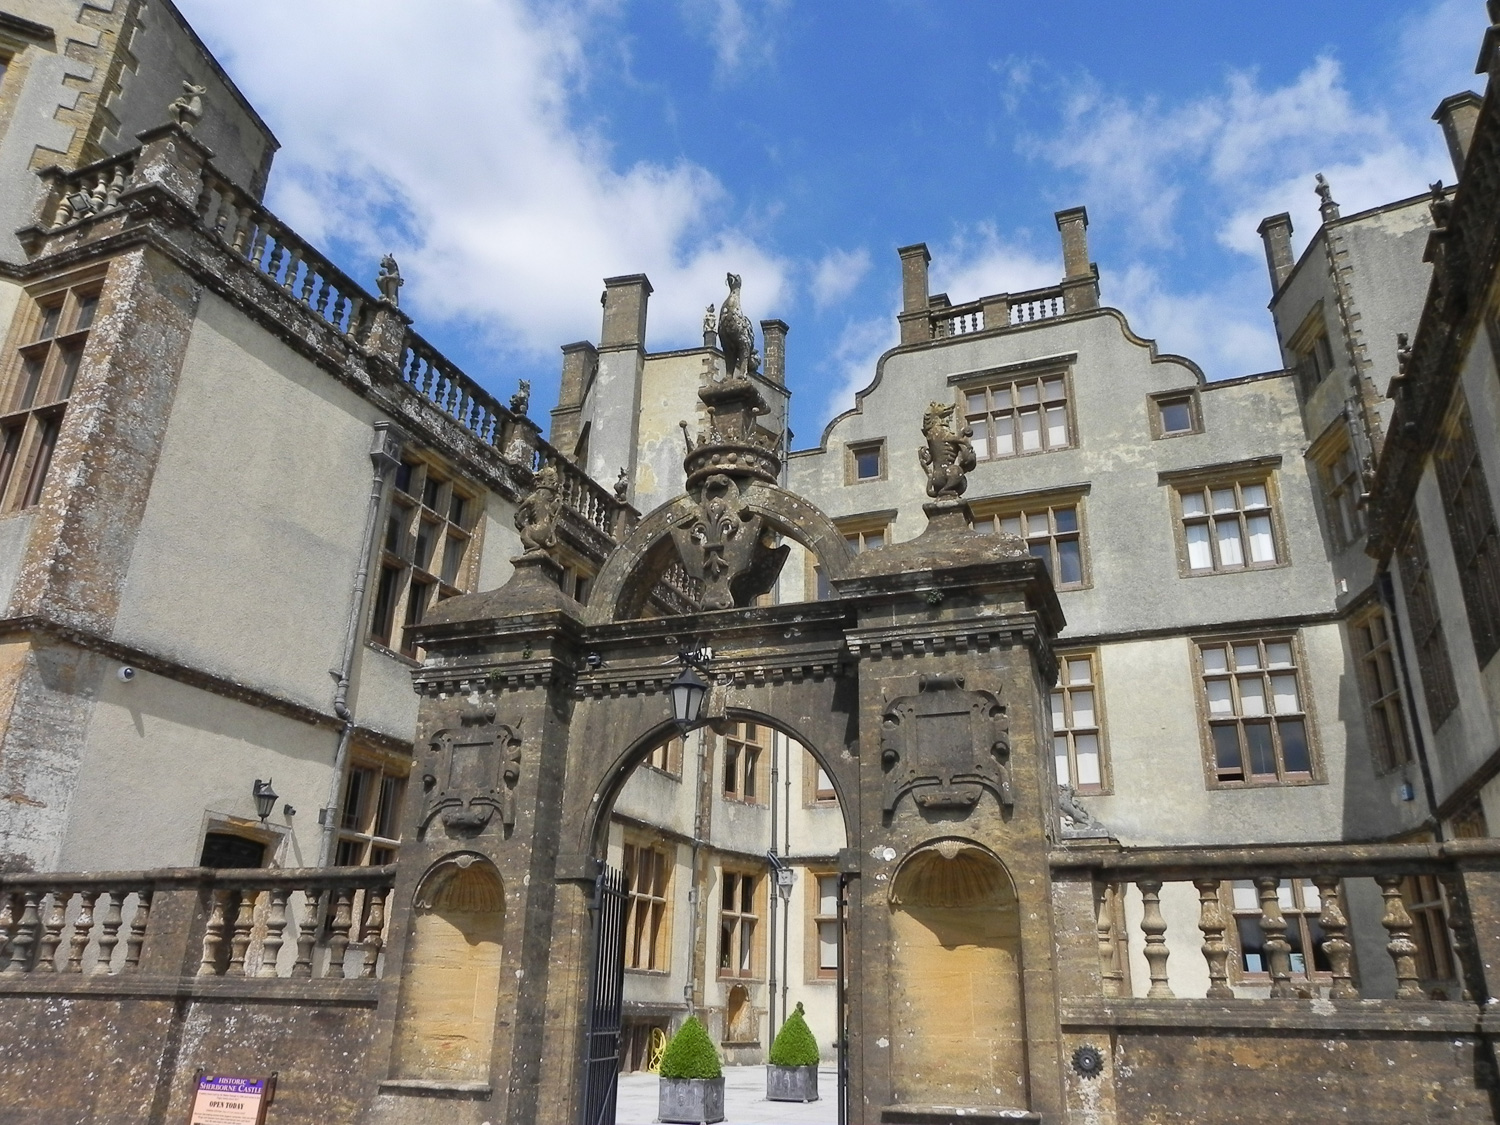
x: 1088, y: 1061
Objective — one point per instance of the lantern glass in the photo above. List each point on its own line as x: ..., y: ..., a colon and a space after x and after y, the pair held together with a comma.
x: 687, y: 692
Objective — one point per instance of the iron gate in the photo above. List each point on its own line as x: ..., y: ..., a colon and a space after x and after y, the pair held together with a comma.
x: 601, y: 1072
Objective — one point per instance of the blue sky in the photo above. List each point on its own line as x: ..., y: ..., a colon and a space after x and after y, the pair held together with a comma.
x: 514, y: 152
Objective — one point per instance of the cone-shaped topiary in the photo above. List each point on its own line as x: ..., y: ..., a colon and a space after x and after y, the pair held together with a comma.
x: 794, y: 1044
x: 690, y: 1054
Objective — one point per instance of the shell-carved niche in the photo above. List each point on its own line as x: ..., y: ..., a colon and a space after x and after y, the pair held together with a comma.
x: 945, y: 745
x: 470, y: 772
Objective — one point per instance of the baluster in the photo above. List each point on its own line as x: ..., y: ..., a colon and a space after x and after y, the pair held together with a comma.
x: 270, y: 949
x: 1403, y: 950
x: 1212, y: 922
x: 213, y: 935
x: 239, y: 942
x: 356, y: 311
x: 57, y: 916
x: 309, y: 279
x: 83, y: 927
x: 243, y: 229
x: 1273, y: 926
x: 64, y: 212
x: 137, y: 937
x: 8, y: 900
x: 1154, y: 926
x: 307, y: 933
x: 109, y: 932
x: 293, y: 260
x: 257, y: 243
x: 100, y: 192
x: 226, y: 212
x: 338, y: 944
x: 25, y: 939
x: 1111, y: 978
x: 373, y: 938
x: 116, y: 186
x: 1336, y: 945
x: 1461, y: 923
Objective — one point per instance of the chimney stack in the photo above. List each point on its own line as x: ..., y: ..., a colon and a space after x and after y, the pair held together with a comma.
x: 914, y: 323
x: 1458, y: 114
x: 624, y: 312
x: 1080, y: 283
x: 773, y: 363
x: 1276, y: 233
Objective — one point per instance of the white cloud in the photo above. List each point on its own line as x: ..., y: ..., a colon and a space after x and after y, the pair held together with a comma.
x: 742, y: 33
x: 1223, y: 328
x: 837, y: 275
x: 852, y: 366
x: 445, y: 132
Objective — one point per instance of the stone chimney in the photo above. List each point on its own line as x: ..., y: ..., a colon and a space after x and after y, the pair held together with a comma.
x: 624, y: 312
x: 1458, y: 114
x: 580, y: 362
x: 1080, y: 282
x: 1276, y: 233
x: 773, y: 363
x: 914, y: 323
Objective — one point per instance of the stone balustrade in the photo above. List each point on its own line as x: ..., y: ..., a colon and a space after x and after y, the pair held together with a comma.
x: 1332, y: 922
x: 92, y: 190
x: 999, y: 310
x: 324, y: 923
x: 428, y: 374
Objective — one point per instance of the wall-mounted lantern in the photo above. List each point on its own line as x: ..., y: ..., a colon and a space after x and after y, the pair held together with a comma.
x: 265, y: 797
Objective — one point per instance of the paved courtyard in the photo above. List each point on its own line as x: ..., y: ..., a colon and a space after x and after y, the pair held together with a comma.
x: 744, y: 1100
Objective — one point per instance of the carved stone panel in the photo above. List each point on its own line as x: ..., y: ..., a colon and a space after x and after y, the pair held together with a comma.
x: 470, y: 772
x: 945, y: 745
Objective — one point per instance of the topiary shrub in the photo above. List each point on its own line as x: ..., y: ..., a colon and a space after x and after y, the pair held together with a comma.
x: 794, y: 1044
x: 690, y: 1054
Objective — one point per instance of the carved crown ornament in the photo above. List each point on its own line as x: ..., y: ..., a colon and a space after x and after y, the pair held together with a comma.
x: 470, y: 772
x: 945, y: 745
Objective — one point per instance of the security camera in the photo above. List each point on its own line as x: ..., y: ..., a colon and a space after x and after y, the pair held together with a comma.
x: 126, y: 673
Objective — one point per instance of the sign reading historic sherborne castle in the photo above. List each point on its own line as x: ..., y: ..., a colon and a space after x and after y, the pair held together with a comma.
x: 224, y: 1100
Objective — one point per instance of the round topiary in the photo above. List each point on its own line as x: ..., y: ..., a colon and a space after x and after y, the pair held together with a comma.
x: 690, y: 1054
x: 794, y: 1044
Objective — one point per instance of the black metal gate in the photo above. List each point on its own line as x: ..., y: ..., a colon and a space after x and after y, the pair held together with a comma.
x: 601, y: 1072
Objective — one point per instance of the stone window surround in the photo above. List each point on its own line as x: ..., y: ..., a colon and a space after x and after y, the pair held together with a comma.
x: 1060, y: 365
x: 1340, y: 488
x: 1425, y: 626
x: 737, y: 919
x: 1159, y: 432
x: 813, y: 969
x: 666, y: 758
x: 814, y: 794
x: 1313, y: 348
x: 1385, y: 709
x: 471, y: 532
x: 1096, y: 685
x: 364, y: 834
x: 1036, y: 500
x: 1316, y: 774
x: 656, y: 899
x: 860, y: 526
x: 1469, y: 504
x: 749, y: 762
x: 37, y: 425
x: 1253, y: 470
x: 276, y: 837
x: 852, y: 451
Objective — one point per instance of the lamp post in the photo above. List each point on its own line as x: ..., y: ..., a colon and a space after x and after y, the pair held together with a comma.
x: 687, y: 692
x: 265, y: 798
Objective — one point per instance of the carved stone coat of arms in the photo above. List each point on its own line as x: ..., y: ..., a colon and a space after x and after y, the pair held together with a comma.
x: 945, y: 745
x: 470, y: 772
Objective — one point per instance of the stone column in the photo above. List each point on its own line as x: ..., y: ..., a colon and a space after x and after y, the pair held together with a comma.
x: 913, y: 318
x: 1276, y: 233
x: 1080, y: 282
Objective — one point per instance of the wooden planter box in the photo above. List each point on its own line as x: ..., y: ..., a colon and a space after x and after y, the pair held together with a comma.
x: 690, y: 1101
x: 791, y: 1083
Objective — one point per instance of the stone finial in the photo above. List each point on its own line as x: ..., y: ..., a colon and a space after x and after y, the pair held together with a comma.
x: 537, y: 514
x: 1326, y: 206
x: 710, y: 327
x: 622, y: 483
x: 521, y: 400
x: 1440, y: 206
x: 949, y: 453
x: 737, y: 334
x: 389, y: 281
x: 1403, y: 353
x: 187, y: 109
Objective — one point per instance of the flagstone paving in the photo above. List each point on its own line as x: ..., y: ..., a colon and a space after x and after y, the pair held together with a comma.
x: 744, y: 1100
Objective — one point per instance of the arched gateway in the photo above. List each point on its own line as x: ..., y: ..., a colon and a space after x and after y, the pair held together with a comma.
x: 920, y: 685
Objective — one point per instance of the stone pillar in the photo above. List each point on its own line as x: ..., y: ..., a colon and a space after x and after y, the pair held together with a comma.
x: 1080, y: 282
x: 1276, y: 233
x: 1457, y: 114
x: 773, y: 363
x: 914, y: 323
x: 386, y: 338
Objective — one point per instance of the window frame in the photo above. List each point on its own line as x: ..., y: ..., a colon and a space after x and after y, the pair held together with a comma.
x: 1261, y: 471
x: 1308, y: 930
x: 736, y: 919
x: 1385, y: 710
x: 1341, y: 488
x: 1424, y: 620
x: 1214, y: 775
x: 748, y: 759
x: 407, y: 520
x: 1469, y: 508
x: 666, y: 757
x: 982, y: 423
x: 1029, y: 505
x: 852, y: 452
x: 1312, y: 346
x: 1095, y: 685
x: 814, y: 971
x: 1159, y: 431
x: 655, y: 900
x: 359, y: 844
x: 814, y: 796
x: 855, y: 530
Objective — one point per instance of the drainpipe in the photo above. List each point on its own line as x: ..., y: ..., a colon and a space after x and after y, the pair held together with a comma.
x: 1418, y: 743
x: 385, y: 454
x: 698, y: 882
x: 775, y: 867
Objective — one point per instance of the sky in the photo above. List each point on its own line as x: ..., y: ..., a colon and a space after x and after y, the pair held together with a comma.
x: 513, y: 153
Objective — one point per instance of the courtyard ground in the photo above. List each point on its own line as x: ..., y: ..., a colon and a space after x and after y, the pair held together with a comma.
x: 744, y: 1100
